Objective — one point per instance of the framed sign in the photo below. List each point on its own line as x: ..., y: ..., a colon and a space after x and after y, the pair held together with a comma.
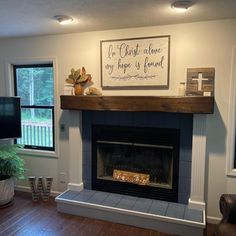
x: 135, y: 62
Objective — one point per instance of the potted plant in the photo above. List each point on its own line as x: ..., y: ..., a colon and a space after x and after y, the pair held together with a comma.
x: 78, y: 78
x: 11, y: 168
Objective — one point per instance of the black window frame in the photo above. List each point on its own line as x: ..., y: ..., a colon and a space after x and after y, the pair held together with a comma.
x: 34, y: 147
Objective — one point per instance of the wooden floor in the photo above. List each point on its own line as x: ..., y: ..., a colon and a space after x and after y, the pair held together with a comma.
x: 27, y: 218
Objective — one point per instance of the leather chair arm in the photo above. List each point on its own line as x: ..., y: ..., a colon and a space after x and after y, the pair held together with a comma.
x: 228, y: 208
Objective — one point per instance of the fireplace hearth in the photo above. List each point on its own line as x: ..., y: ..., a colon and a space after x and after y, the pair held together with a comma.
x: 137, y: 161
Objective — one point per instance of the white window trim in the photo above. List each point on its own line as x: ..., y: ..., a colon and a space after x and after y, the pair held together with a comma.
x: 230, y: 149
x: 9, y: 83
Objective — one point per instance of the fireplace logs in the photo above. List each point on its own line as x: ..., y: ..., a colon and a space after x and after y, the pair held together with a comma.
x: 131, y: 177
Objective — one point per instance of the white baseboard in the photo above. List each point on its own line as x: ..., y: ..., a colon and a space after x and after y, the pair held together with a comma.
x: 27, y: 189
x: 213, y: 220
x: 75, y: 186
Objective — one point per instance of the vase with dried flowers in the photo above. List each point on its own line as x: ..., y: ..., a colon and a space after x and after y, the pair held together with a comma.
x: 79, y: 79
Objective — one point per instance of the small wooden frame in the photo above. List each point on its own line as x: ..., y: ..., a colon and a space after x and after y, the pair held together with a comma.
x: 200, y: 81
x: 131, y: 177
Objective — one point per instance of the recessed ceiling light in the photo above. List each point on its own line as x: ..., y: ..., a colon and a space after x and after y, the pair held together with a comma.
x: 63, y: 19
x: 182, y: 6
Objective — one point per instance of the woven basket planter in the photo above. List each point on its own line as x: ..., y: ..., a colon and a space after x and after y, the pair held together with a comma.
x: 6, y: 191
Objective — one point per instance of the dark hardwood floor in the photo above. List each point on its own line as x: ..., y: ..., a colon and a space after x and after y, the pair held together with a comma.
x: 28, y: 218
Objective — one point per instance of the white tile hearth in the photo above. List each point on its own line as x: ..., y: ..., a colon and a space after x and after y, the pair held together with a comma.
x: 158, y: 215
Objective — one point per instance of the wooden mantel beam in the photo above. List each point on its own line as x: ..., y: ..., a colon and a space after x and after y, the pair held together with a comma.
x: 178, y: 104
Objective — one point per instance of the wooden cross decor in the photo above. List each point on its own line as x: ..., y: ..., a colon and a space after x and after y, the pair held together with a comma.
x: 200, y: 81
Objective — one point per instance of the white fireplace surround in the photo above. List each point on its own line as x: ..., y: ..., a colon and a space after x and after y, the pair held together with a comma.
x: 197, y: 194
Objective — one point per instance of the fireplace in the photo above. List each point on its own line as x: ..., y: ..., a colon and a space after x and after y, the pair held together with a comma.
x: 156, y: 121
x: 192, y: 153
x: 138, y: 161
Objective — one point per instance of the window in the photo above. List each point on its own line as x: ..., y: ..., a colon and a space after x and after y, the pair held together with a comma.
x: 231, y: 129
x: 35, y: 85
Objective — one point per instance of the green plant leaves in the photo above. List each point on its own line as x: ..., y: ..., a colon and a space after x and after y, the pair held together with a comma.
x: 11, y: 164
x: 78, y: 76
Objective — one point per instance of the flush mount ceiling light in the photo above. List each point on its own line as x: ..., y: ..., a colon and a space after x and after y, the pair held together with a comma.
x: 182, y: 6
x: 63, y: 19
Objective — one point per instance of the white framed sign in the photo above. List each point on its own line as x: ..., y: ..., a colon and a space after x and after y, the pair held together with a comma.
x: 135, y: 62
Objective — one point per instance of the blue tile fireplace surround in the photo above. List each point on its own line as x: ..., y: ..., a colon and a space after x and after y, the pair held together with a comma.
x: 179, y: 121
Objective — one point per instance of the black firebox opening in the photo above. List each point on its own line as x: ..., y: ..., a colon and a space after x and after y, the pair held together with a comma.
x: 149, y: 156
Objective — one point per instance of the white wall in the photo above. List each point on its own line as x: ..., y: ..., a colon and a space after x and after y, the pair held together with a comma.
x: 204, y: 44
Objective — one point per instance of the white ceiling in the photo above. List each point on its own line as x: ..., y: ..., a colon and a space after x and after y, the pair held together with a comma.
x: 35, y: 17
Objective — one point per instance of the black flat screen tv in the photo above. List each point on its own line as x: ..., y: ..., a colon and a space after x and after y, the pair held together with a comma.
x: 10, y: 117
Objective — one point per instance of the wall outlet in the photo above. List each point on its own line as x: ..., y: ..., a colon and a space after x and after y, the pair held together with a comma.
x: 63, y: 178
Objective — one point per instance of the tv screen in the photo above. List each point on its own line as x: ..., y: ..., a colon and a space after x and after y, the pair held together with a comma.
x: 10, y: 117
